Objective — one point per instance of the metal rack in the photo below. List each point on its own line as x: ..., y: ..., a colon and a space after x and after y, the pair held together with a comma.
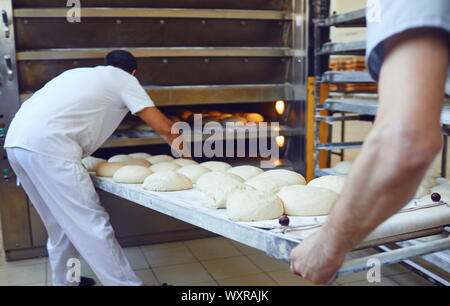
x: 350, y: 106
x: 364, y: 107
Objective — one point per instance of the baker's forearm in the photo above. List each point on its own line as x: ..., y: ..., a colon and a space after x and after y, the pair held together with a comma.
x: 383, y: 180
x: 405, y: 139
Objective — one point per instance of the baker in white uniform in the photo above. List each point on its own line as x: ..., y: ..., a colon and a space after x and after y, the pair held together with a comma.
x: 65, y: 121
x: 408, y: 54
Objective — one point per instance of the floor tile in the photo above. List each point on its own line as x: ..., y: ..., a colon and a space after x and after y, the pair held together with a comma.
x: 384, y: 282
x: 25, y: 262
x: 86, y: 269
x: 167, y: 257
x: 206, y: 284
x: 211, y: 248
x: 268, y: 264
x: 245, y: 249
x: 230, y: 267
x: 161, y: 246
x: 352, y: 278
x: 260, y: 279
x: 184, y: 274
x: 40, y: 284
x: 410, y: 279
x: 136, y: 258
x: 23, y: 274
x: 147, y: 277
x: 388, y: 270
x: 286, y: 278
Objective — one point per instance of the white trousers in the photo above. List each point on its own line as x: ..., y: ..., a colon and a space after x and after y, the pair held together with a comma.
x: 65, y: 198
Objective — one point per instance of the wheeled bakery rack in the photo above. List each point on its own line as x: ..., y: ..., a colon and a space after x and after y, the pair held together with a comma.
x: 356, y: 106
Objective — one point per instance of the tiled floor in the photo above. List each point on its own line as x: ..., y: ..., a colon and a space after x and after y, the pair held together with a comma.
x: 203, y: 262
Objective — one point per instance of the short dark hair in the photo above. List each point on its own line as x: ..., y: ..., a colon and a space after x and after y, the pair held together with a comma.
x: 121, y: 59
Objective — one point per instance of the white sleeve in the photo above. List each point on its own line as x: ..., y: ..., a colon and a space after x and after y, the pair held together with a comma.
x: 135, y: 97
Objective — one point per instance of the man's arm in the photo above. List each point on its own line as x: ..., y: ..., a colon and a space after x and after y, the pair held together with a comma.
x: 163, y: 126
x: 396, y: 154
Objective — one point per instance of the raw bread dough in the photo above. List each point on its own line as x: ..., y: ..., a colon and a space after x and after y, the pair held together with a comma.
x: 121, y: 158
x: 184, y: 162
x: 131, y: 174
x: 291, y: 177
x: 270, y: 184
x: 139, y: 162
x: 193, y: 172
x: 245, y: 172
x: 164, y: 167
x: 443, y: 190
x: 300, y: 200
x: 428, y: 182
x: 91, y: 163
x: 140, y: 155
x: 160, y: 158
x: 331, y: 182
x: 253, y: 205
x: 216, y: 165
x: 167, y: 181
x: 343, y: 167
x: 217, y: 186
x: 108, y: 169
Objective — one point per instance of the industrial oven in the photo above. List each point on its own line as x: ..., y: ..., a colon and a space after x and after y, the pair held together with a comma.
x: 194, y: 56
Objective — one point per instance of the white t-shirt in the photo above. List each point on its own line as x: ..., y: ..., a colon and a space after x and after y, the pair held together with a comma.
x: 76, y: 112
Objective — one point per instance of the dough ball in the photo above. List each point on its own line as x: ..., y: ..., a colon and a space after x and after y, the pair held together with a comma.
x: 245, y: 172
x: 253, y: 205
x: 108, y: 169
x: 184, y: 162
x: 139, y: 162
x: 343, y: 167
x: 254, y: 117
x: 216, y: 165
x: 293, y: 178
x: 301, y: 200
x: 160, y: 158
x: 428, y: 182
x: 140, y: 155
x: 331, y: 182
x: 193, y: 172
x: 131, y: 174
x: 167, y: 181
x: 216, y: 186
x: 441, y: 189
x: 421, y: 192
x: 91, y: 163
x: 164, y: 167
x: 121, y: 158
x: 270, y: 184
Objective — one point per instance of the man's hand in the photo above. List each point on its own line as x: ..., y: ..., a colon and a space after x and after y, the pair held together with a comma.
x: 315, y: 260
x: 163, y: 126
